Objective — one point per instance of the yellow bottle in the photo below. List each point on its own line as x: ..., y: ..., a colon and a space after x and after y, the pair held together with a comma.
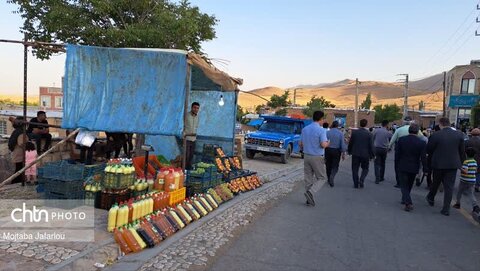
x: 177, y: 219
x: 112, y: 218
x: 137, y: 237
x: 122, y: 216
x: 200, y: 207
x: 135, y: 210
x: 184, y: 213
x: 197, y: 215
x: 212, y: 200
x: 150, y: 205
x: 204, y: 201
x: 144, y: 207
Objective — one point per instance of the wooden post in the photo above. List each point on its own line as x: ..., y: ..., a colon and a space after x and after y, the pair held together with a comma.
x: 185, y: 112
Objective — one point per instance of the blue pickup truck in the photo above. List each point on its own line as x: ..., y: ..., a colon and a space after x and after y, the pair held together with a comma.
x: 277, y: 135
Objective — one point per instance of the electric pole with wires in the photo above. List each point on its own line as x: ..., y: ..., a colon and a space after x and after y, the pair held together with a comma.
x: 405, y: 94
x: 478, y: 21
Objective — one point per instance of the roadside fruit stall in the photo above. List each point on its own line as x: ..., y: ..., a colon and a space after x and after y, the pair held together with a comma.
x: 104, y: 90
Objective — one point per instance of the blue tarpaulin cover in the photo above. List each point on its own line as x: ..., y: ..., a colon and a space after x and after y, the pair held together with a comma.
x: 102, y: 87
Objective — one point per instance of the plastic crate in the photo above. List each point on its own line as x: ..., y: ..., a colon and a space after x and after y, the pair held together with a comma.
x: 107, y: 199
x: 63, y: 187
x: 56, y: 195
x: 53, y: 170
x: 91, y: 170
x: 177, y: 196
x: 118, y: 181
x: 92, y: 198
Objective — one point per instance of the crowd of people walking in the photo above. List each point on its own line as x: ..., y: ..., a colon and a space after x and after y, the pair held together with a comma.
x: 436, y: 157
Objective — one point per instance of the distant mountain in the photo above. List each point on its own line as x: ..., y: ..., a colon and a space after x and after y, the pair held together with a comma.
x: 429, y: 84
x: 342, y: 93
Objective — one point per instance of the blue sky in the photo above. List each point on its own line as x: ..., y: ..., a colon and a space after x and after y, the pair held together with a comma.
x: 286, y: 43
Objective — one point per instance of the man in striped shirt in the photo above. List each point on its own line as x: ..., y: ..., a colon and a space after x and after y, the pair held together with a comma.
x: 467, y: 182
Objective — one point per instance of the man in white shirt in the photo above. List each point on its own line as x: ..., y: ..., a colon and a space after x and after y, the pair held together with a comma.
x: 191, y: 126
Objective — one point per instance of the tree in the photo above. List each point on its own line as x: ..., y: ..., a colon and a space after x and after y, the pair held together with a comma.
x: 315, y: 104
x: 279, y: 101
x: 421, y: 106
x: 240, y: 114
x: 115, y: 23
x: 281, y: 112
x: 259, y: 108
x: 390, y: 112
x: 367, y: 103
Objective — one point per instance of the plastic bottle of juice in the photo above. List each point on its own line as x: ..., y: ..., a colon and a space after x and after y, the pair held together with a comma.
x: 182, y: 178
x: 189, y: 211
x: 130, y: 211
x: 137, y: 237
x: 130, y: 239
x: 160, y: 183
x: 135, y: 210
x: 144, y: 235
x: 176, y: 174
x: 196, y: 214
x: 151, y: 232
x: 170, y: 181
x: 117, y: 235
x: 205, y: 203
x: 158, y: 227
x: 122, y: 215
x: 150, y: 205
x: 184, y: 213
x: 112, y: 217
x: 177, y: 219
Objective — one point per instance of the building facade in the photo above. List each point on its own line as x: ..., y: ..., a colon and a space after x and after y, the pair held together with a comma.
x: 462, y: 92
x: 51, y: 99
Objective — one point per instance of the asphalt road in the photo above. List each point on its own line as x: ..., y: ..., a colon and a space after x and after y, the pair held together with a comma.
x: 351, y: 229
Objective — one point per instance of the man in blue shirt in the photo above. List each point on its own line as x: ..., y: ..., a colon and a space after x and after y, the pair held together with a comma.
x: 313, y: 142
x: 333, y: 153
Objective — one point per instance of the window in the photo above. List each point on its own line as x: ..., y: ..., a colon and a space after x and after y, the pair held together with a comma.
x: 3, y: 127
x: 468, y: 83
x: 59, y: 102
x: 45, y: 101
x: 464, y: 113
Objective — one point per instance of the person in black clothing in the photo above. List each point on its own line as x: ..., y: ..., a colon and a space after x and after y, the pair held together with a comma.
x: 115, y: 143
x: 128, y: 145
x: 37, y: 132
x: 360, y: 147
x: 410, y: 150
x: 447, y: 150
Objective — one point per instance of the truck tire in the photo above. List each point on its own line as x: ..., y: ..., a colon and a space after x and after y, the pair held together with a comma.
x: 286, y: 156
x: 250, y: 154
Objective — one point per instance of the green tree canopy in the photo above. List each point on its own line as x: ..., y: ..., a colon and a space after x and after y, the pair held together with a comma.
x: 281, y: 112
x: 258, y: 108
x: 390, y: 112
x: 277, y: 101
x: 367, y: 103
x: 317, y: 103
x: 116, y: 23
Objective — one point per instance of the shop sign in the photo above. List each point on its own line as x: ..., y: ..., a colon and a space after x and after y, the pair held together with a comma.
x: 463, y: 100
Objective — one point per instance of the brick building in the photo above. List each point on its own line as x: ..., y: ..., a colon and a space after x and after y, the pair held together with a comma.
x: 51, y: 99
x: 462, y: 92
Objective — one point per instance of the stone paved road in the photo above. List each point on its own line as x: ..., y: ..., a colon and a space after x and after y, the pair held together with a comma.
x: 353, y: 229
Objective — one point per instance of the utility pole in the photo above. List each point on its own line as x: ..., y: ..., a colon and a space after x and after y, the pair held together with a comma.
x: 444, y: 93
x: 478, y: 21
x: 405, y: 95
x: 356, y: 103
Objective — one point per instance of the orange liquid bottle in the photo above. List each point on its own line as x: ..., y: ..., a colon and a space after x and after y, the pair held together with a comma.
x: 117, y: 235
x: 155, y: 236
x: 170, y: 181
x: 130, y: 211
x: 182, y: 178
x: 130, y: 240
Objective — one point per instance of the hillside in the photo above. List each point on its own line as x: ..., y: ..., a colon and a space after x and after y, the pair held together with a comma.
x: 342, y: 93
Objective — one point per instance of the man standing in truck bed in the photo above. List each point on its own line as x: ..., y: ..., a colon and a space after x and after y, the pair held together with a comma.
x: 313, y: 142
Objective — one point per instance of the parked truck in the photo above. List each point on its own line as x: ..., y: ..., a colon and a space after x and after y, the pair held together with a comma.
x: 278, y: 136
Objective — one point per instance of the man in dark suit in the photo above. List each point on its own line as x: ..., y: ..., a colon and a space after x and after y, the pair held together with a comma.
x: 360, y: 147
x: 447, y: 150
x: 410, y: 150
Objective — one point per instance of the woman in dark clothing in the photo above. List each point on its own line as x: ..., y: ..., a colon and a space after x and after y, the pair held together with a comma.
x: 16, y: 146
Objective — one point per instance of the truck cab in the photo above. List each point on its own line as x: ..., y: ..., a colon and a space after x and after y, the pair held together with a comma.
x: 279, y: 136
